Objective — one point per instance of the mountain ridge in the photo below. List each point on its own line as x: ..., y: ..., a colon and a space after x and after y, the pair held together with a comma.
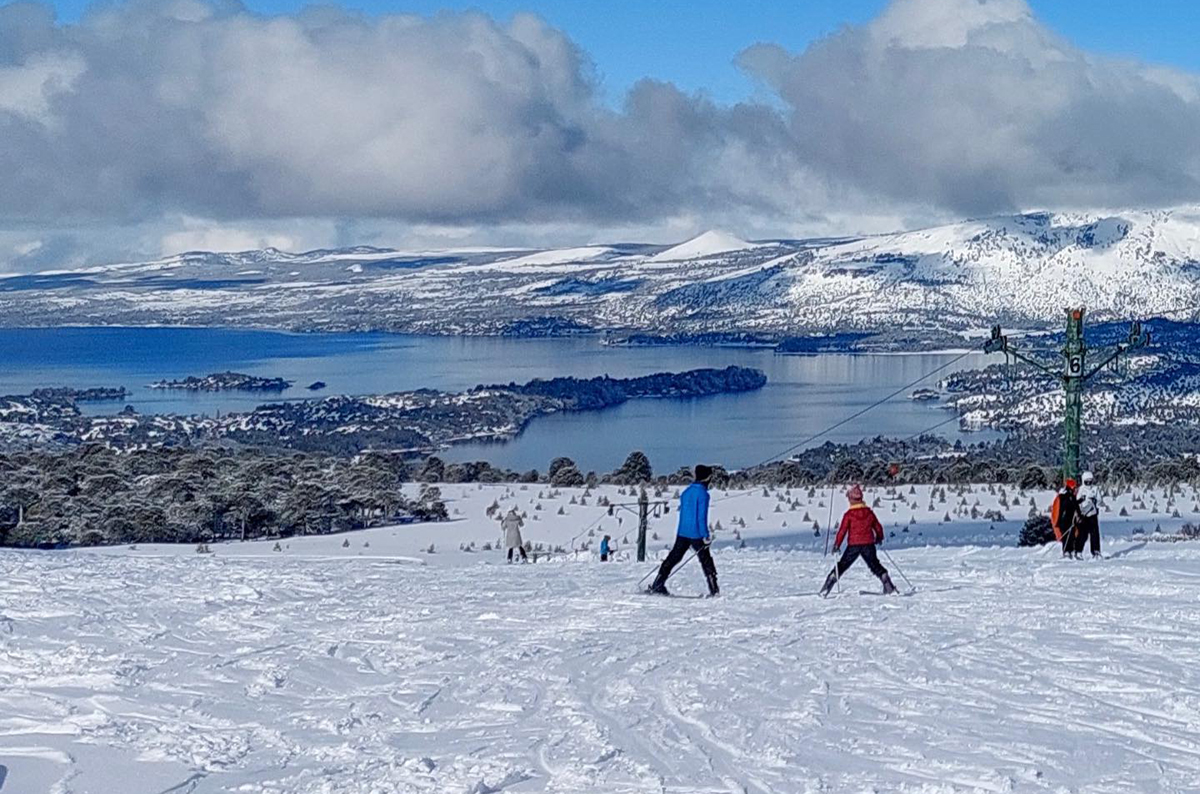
x: 958, y: 278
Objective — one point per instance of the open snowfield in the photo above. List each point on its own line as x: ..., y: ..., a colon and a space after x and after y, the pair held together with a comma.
x: 379, y: 667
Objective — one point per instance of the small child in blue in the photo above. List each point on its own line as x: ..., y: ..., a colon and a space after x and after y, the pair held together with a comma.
x: 604, y: 549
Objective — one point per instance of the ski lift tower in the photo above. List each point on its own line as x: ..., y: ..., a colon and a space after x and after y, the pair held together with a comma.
x: 1074, y: 375
x: 644, y: 506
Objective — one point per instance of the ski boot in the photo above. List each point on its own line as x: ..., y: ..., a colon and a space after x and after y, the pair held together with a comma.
x: 713, y: 590
x: 830, y: 581
x: 888, y: 587
x: 658, y: 588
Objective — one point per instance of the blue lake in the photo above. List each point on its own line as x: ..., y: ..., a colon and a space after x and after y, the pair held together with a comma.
x: 804, y: 393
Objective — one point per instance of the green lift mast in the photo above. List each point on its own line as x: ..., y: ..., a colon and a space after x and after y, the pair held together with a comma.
x: 644, y: 507
x: 1074, y: 375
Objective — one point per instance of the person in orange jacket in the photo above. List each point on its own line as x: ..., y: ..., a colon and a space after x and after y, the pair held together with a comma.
x: 862, y: 530
x: 1063, y: 512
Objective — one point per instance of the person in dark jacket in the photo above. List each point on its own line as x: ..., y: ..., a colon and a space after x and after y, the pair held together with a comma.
x: 1063, y: 513
x: 692, y: 534
x: 862, y: 530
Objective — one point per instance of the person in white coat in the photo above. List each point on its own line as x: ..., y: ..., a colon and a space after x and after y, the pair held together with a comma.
x: 511, y: 525
x: 1087, y: 520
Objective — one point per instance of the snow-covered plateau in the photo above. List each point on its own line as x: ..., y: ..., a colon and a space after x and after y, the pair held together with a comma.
x: 955, y: 279
x: 410, y: 659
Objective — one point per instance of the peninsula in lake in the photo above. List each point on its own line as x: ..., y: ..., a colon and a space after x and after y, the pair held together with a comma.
x: 418, y: 422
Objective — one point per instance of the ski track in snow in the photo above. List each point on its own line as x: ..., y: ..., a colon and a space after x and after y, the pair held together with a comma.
x: 1009, y: 670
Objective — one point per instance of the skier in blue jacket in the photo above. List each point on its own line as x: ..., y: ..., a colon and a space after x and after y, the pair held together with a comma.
x: 692, y: 533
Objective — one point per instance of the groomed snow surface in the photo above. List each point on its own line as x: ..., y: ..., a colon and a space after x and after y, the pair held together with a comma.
x: 379, y: 667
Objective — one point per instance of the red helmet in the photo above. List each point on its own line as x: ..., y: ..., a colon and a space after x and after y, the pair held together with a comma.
x: 1070, y: 484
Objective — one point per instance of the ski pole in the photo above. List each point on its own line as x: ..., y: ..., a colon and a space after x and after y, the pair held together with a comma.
x: 899, y: 570
x: 837, y: 575
x: 829, y: 522
x: 675, y: 570
x: 647, y: 576
x: 680, y: 566
x: 672, y: 573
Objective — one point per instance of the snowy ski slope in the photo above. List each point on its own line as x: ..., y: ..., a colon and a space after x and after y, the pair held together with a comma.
x: 377, y: 667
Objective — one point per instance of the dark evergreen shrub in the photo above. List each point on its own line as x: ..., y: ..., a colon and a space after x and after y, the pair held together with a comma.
x: 1036, y: 532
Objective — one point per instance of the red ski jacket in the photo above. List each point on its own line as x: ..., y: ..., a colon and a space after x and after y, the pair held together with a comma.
x: 861, y: 525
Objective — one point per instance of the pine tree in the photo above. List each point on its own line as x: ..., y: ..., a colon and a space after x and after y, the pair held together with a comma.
x: 1036, y: 532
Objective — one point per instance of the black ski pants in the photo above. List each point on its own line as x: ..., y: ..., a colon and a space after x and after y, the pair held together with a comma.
x: 1087, y: 530
x: 1068, y: 540
x: 521, y: 549
x: 851, y: 555
x: 681, y: 547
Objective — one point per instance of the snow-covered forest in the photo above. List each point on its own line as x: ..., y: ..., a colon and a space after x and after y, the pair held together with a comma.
x: 95, y: 495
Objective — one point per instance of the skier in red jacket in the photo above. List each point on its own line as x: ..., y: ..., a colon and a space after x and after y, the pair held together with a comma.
x: 863, y: 529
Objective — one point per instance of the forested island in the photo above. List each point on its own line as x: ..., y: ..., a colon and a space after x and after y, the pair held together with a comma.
x: 225, y: 381
x: 82, y: 395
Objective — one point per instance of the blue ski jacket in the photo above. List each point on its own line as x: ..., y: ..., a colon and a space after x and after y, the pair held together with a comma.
x: 604, y: 547
x: 693, y: 512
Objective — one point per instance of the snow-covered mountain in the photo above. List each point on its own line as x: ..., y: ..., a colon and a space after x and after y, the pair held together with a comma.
x: 705, y: 246
x: 1020, y: 270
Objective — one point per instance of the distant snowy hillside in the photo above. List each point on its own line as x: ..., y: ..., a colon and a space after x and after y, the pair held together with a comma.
x: 1020, y: 270
x: 703, y: 246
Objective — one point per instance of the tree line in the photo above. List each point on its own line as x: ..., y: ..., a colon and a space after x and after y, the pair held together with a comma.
x: 97, y: 495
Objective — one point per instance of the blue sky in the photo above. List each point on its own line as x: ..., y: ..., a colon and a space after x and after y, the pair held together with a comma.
x: 692, y: 43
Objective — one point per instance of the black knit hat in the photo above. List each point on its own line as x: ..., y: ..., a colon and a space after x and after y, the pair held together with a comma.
x: 703, y: 473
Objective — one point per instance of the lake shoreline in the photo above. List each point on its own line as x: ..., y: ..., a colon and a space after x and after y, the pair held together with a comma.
x: 803, y: 393
x: 608, y: 337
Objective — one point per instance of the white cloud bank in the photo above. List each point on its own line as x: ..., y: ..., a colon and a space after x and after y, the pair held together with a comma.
x: 155, y: 110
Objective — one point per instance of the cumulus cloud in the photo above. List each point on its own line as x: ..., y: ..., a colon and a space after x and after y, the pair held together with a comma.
x: 198, y: 235
x: 974, y: 107
x: 27, y: 90
x: 202, y: 108
x: 149, y: 110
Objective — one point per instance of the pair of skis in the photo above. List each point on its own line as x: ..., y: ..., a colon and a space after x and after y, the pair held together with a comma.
x: 898, y: 593
x: 641, y: 585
